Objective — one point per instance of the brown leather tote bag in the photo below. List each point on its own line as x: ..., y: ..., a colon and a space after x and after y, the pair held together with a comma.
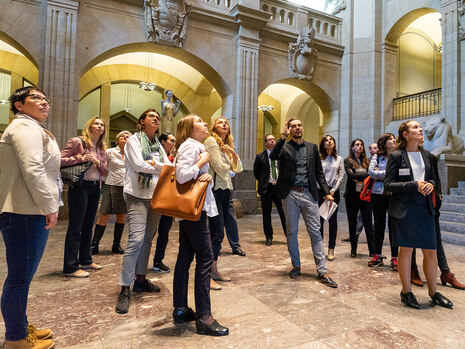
x: 183, y: 201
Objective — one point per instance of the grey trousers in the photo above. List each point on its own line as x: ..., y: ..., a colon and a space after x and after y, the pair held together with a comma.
x: 294, y: 204
x: 143, y: 224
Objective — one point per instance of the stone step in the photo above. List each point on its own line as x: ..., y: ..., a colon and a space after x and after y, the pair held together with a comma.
x: 453, y: 238
x: 457, y: 191
x: 452, y: 208
x: 452, y: 217
x: 453, y: 199
x: 453, y: 227
x: 461, y: 184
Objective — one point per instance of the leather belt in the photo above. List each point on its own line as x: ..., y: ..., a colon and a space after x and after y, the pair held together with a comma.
x: 92, y: 182
x: 299, y: 189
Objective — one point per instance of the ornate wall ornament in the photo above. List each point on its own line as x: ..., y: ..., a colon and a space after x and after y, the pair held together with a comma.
x: 302, y: 55
x: 336, y: 5
x: 166, y: 21
x: 461, y: 18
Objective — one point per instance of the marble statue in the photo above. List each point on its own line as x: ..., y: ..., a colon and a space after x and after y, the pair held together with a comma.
x: 168, y: 111
x: 166, y: 21
x: 461, y: 18
x: 439, y: 139
x: 302, y: 55
x: 336, y: 6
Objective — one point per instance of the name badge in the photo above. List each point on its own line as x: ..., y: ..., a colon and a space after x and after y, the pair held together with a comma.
x: 358, y: 186
x: 404, y: 172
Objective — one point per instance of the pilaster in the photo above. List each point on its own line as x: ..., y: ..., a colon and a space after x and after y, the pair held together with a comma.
x: 105, y: 103
x: 16, y: 82
x: 57, y: 76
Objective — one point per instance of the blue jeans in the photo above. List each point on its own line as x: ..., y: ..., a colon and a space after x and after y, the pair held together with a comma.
x: 226, y: 219
x: 294, y: 204
x: 25, y: 238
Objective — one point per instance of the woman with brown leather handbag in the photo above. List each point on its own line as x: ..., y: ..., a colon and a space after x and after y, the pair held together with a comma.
x: 194, y: 236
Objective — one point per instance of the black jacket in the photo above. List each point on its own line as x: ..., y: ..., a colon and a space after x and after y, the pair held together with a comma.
x: 352, y: 176
x: 286, y: 156
x: 261, y: 171
x: 403, y: 186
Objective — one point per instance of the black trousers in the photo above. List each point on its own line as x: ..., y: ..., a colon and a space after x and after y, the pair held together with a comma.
x: 82, y: 203
x: 267, y: 203
x: 194, y: 239
x: 353, y: 206
x: 164, y: 228
x: 332, y: 220
x: 380, y: 204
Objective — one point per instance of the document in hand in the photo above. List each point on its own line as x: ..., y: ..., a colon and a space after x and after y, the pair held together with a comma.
x: 327, y: 209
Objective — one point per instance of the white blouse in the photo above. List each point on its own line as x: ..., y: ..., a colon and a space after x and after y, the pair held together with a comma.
x: 116, y: 168
x: 334, y: 171
x: 186, y: 169
x: 418, y: 165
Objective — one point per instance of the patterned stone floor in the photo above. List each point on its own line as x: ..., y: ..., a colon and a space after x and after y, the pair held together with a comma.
x: 262, y: 306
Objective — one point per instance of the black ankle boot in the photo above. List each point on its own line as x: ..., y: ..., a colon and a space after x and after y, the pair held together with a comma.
x: 118, y: 233
x: 98, y: 233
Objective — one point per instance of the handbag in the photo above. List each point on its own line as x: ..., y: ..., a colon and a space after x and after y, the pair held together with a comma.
x: 73, y: 175
x: 183, y: 201
x: 365, y: 194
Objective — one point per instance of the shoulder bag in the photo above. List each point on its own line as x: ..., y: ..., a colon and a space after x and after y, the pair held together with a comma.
x: 73, y: 175
x: 365, y: 194
x: 183, y: 201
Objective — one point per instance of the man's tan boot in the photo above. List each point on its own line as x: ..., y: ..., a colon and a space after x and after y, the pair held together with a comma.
x: 31, y: 342
x: 45, y: 333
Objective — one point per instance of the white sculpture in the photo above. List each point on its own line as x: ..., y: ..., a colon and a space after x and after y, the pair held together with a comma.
x: 439, y: 139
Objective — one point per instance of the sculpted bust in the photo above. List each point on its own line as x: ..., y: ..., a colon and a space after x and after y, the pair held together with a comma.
x: 439, y: 139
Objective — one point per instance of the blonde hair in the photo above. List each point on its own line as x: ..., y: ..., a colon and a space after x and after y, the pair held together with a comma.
x: 229, y: 138
x: 87, y: 137
x: 185, y: 129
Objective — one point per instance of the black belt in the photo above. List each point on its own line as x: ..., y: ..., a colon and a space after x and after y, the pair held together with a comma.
x: 299, y: 189
x: 97, y: 182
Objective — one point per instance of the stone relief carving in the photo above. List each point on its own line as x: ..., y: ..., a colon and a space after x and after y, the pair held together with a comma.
x: 302, y: 55
x: 336, y: 6
x: 439, y: 138
x: 166, y: 21
x: 461, y: 18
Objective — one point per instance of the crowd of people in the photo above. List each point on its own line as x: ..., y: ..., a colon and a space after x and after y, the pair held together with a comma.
x: 296, y: 175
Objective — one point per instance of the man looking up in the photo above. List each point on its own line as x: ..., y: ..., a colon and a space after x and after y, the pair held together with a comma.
x: 266, y: 173
x: 299, y: 171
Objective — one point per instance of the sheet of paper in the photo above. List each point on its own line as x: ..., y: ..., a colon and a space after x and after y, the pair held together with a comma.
x: 327, y: 209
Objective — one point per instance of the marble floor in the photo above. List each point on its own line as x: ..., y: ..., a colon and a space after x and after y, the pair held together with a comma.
x: 262, y: 306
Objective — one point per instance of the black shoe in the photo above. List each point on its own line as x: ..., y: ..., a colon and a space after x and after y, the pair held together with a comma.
x: 239, y: 252
x: 439, y: 299
x: 345, y: 240
x: 409, y: 300
x: 180, y: 316
x: 326, y: 280
x: 215, y: 329
x: 294, y: 272
x: 145, y: 286
x: 159, y: 266
x: 353, y: 253
x: 122, y: 305
x: 117, y: 249
x: 268, y: 242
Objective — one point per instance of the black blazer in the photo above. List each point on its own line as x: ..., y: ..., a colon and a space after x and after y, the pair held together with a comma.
x: 286, y: 156
x: 261, y: 171
x: 403, y: 186
x: 353, y: 175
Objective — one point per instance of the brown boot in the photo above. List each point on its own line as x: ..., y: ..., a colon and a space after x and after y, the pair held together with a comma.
x: 31, y: 342
x: 448, y: 277
x: 45, y: 333
x: 415, y: 278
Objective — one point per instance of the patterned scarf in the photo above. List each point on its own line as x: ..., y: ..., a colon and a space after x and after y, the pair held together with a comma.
x: 148, y: 148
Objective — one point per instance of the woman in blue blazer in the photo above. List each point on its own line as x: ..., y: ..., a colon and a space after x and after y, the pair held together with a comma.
x: 411, y: 179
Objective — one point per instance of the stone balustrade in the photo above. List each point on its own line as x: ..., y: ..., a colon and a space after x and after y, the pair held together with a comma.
x: 218, y: 4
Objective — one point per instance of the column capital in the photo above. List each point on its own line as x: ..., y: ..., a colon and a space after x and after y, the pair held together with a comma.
x: 65, y: 4
x: 249, y: 17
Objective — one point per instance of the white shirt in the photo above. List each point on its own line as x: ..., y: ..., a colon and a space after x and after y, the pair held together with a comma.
x: 418, y: 165
x: 272, y: 180
x: 135, y: 163
x: 116, y: 167
x: 334, y: 171
x: 186, y: 169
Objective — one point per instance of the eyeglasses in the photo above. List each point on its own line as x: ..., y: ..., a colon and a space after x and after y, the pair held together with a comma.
x: 153, y: 116
x: 38, y: 98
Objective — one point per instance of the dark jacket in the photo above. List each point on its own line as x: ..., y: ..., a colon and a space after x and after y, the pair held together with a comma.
x: 352, y: 176
x: 403, y: 186
x: 261, y: 171
x: 286, y: 156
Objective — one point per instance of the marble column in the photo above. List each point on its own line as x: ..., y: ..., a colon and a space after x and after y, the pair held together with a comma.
x: 389, y: 91
x: 461, y: 62
x: 15, y: 83
x: 245, y: 113
x: 105, y: 102
x: 451, y: 65
x: 57, y: 76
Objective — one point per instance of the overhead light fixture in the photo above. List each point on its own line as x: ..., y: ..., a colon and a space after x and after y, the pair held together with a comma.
x: 127, y: 98
x: 2, y: 101
x: 147, y: 85
x: 265, y: 108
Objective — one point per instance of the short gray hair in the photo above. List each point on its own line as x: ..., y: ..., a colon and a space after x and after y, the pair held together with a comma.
x: 120, y: 134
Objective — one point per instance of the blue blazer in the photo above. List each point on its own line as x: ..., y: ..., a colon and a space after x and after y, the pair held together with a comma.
x: 403, y: 186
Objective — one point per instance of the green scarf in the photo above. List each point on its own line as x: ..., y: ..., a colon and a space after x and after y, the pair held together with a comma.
x: 148, y: 148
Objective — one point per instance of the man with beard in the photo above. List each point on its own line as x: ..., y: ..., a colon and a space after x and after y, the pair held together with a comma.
x: 300, y: 169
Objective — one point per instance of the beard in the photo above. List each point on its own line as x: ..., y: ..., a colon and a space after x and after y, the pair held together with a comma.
x: 297, y: 136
